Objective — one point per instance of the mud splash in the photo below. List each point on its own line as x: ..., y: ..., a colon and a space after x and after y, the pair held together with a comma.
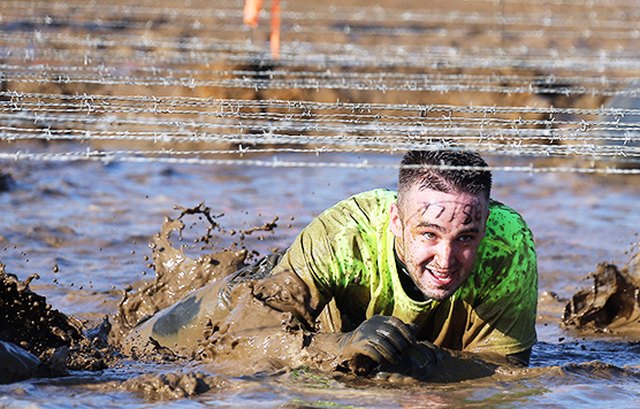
x: 43, y: 342
x: 254, y: 324
x: 611, y: 305
x: 175, y: 274
x: 240, y: 320
x: 236, y: 322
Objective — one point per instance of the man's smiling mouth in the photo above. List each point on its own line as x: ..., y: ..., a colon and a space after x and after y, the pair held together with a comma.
x: 441, y: 277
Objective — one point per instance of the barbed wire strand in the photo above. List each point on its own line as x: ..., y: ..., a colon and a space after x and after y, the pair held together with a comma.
x: 276, y: 163
x: 236, y: 105
x: 343, y: 55
x: 426, y: 83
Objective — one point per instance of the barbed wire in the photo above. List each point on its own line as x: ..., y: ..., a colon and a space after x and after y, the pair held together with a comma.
x: 277, y: 163
x: 480, y: 143
x: 373, y: 59
x: 625, y: 32
x: 356, y: 122
x: 194, y: 43
x: 153, y: 58
x: 280, y: 79
x: 356, y: 108
x: 549, y: 80
x: 444, y: 125
x: 379, y: 126
x: 426, y: 83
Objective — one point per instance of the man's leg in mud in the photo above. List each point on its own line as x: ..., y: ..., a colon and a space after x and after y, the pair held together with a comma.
x: 182, y: 326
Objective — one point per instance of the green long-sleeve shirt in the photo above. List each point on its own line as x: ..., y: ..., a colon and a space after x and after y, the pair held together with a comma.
x: 346, y: 254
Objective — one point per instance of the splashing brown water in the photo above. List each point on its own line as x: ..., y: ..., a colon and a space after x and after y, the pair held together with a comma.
x: 176, y: 274
x: 62, y: 343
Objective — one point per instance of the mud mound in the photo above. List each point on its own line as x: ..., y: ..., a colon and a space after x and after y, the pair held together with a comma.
x: 29, y: 321
x: 60, y: 343
x: 611, y: 305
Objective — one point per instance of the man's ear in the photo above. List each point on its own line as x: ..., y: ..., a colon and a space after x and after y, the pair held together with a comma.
x: 395, y: 222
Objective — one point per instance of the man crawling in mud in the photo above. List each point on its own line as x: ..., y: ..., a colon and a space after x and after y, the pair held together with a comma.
x: 380, y: 281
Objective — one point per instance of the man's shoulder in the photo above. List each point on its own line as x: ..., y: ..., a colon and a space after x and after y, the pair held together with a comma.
x: 506, y: 224
x: 376, y: 196
x: 362, y: 212
x: 369, y: 202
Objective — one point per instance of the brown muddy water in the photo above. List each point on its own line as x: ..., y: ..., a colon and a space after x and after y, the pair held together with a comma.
x: 85, y: 228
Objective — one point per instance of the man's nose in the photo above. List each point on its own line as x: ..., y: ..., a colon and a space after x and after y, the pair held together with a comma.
x: 445, y: 254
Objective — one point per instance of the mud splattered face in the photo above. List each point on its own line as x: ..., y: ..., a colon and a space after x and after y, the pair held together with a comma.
x: 437, y: 237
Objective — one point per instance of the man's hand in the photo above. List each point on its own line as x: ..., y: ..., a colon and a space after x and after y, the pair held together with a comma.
x: 378, y: 340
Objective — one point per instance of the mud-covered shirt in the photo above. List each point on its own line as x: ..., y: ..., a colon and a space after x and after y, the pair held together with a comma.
x: 346, y: 257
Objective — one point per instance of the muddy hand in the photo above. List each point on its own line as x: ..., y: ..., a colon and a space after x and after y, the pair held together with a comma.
x: 419, y: 361
x: 377, y: 340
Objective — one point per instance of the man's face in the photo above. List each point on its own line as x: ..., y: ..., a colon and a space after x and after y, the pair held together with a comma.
x: 437, y: 237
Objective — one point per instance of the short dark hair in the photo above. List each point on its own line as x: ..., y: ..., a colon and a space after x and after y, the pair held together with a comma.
x: 444, y: 180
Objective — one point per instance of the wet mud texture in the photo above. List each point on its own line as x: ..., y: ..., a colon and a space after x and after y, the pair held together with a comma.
x: 610, y: 305
x: 254, y: 325
x: 239, y: 324
x: 172, y: 385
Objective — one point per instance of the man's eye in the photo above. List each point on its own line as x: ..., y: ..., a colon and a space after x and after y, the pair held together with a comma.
x: 429, y: 235
x: 465, y: 239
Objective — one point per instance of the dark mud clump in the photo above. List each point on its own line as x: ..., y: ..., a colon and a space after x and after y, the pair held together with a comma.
x: 611, y: 305
x: 59, y: 342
